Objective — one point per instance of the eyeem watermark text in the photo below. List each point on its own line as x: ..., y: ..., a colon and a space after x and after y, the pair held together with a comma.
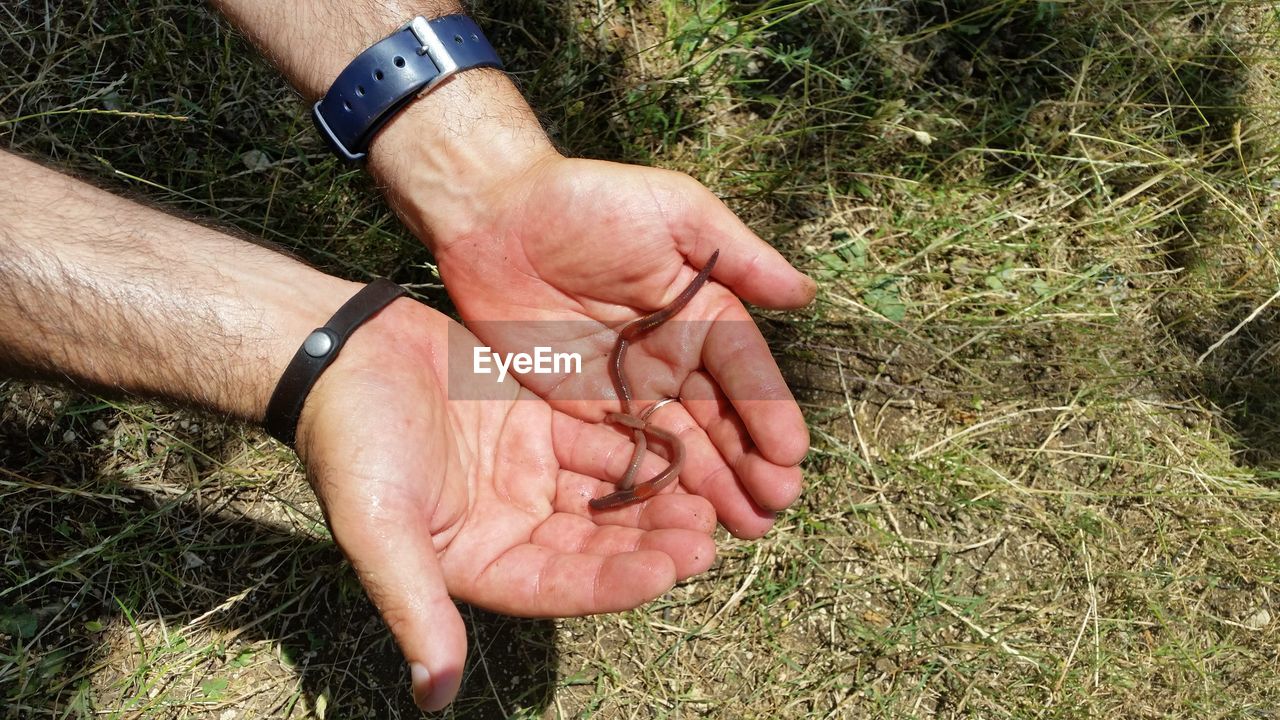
x: 541, y: 362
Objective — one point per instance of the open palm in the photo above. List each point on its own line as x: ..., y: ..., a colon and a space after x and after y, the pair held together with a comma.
x: 572, y: 249
x: 483, y: 499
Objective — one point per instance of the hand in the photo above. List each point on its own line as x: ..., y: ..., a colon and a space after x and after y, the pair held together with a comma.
x: 484, y: 500
x: 602, y: 243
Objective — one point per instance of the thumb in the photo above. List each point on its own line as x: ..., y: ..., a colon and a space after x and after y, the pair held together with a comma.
x: 754, y: 270
x: 401, y: 573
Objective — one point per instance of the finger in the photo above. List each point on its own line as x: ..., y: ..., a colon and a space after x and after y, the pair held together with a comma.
x: 748, y: 266
x: 598, y: 450
x: 707, y: 474
x: 533, y: 581
x: 691, y: 551
x: 772, y: 486
x: 738, y: 358
x: 398, y: 567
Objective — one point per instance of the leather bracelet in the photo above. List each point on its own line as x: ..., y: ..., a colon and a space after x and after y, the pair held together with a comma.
x: 383, y: 79
x: 317, y: 352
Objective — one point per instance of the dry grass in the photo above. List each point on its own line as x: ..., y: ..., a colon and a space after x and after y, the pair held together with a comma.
x: 1028, y: 497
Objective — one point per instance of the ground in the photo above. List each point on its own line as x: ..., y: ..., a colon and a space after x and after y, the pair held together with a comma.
x: 1041, y: 372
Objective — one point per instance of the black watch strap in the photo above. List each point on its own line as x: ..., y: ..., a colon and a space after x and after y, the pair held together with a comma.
x: 317, y: 352
x: 391, y: 73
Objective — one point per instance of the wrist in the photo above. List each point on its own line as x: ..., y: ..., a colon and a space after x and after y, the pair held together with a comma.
x: 405, y: 331
x: 225, y: 345
x: 442, y: 154
x: 444, y: 159
x: 293, y: 306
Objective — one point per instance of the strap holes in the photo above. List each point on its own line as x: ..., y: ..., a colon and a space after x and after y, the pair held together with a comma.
x: 399, y: 61
x: 475, y: 37
x: 346, y: 105
x: 457, y: 39
x: 360, y: 90
x: 377, y: 75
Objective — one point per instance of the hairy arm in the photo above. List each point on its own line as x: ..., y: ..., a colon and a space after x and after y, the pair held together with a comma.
x: 111, y: 294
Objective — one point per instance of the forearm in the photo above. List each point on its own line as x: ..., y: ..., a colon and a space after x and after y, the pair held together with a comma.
x: 108, y: 293
x: 453, y: 145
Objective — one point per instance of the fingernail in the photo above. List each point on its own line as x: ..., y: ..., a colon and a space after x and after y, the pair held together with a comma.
x: 421, y: 680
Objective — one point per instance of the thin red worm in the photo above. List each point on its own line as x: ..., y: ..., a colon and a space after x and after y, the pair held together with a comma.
x: 627, y: 491
x: 632, y: 331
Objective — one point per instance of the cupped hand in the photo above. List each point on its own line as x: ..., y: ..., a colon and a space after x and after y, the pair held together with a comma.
x: 565, y: 252
x: 476, y: 493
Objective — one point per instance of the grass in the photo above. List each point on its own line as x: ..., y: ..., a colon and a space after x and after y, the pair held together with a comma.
x: 1040, y: 375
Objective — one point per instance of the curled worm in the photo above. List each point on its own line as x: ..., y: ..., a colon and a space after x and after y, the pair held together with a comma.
x: 628, y: 491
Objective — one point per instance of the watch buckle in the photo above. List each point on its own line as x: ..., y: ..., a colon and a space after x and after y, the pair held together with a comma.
x: 430, y: 44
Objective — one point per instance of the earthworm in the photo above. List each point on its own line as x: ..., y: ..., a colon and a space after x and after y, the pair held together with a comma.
x: 627, y: 490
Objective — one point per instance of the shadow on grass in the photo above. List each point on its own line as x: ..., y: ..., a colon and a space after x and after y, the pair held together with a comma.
x: 1242, y: 380
x: 996, y: 85
x: 1222, y: 277
x: 88, y: 556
